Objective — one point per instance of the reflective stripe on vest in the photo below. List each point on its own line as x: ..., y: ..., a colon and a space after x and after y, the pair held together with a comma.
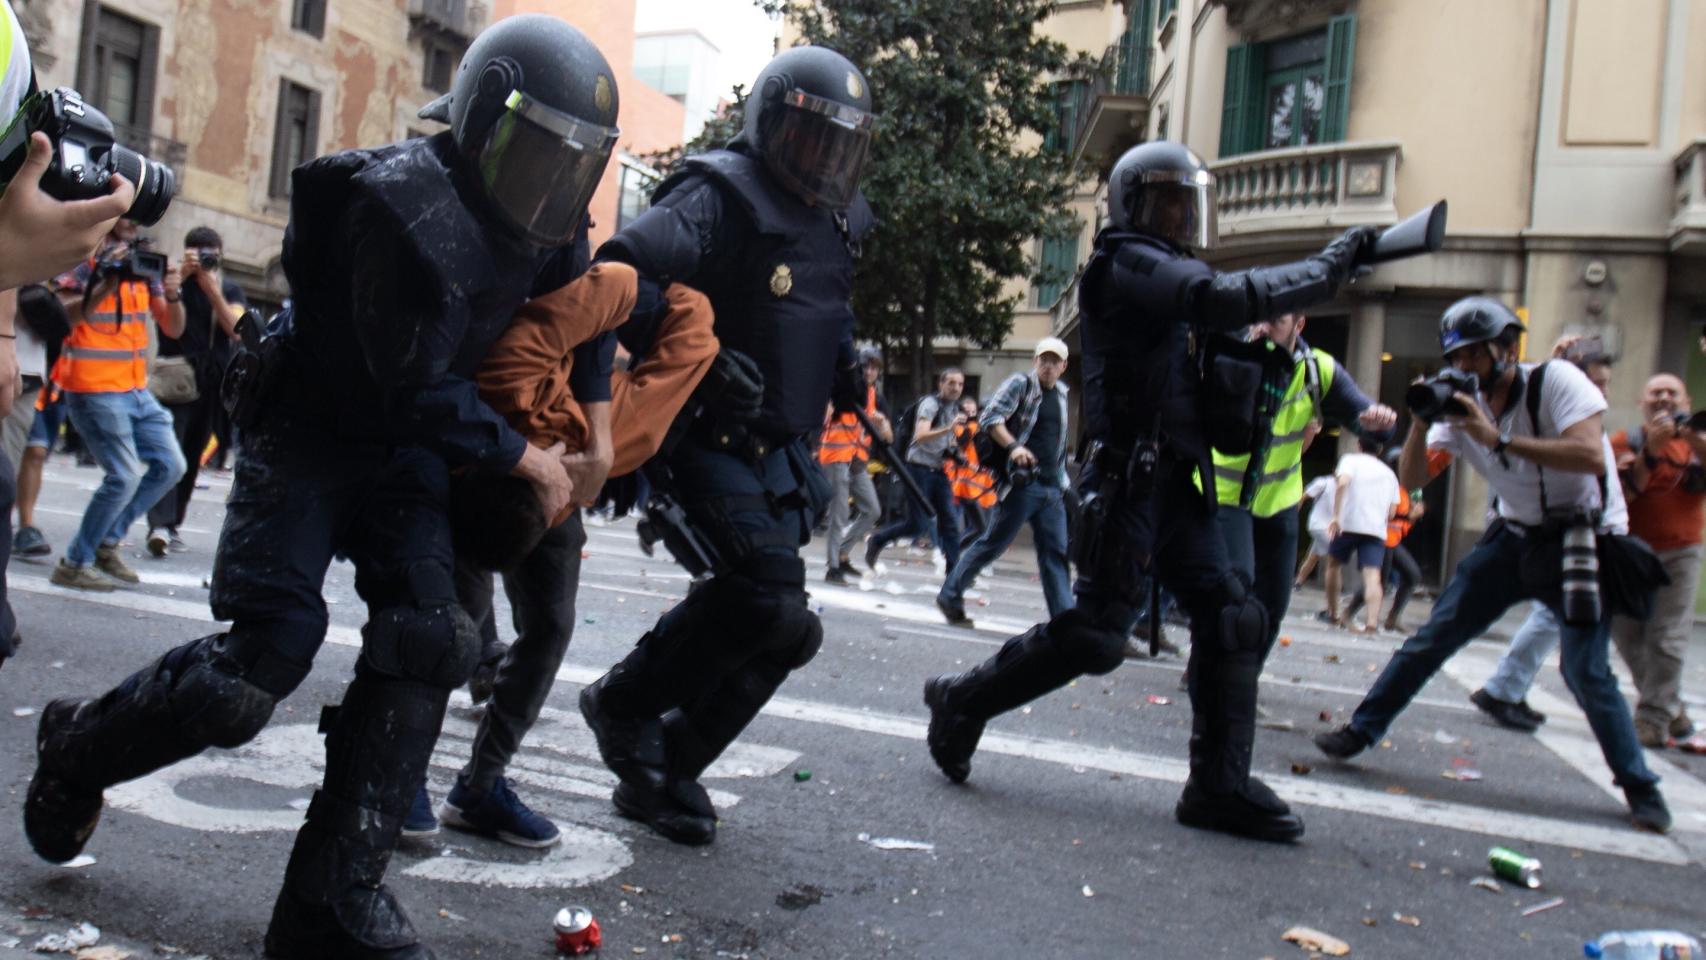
x: 1279, y: 486
x: 970, y: 480
x: 844, y: 440
x: 108, y: 351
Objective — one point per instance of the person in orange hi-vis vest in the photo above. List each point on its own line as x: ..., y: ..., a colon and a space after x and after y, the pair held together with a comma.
x: 844, y: 452
x: 103, y: 372
x: 974, y: 485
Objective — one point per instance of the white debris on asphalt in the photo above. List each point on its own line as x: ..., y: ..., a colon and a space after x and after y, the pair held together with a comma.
x: 82, y: 935
x: 895, y: 843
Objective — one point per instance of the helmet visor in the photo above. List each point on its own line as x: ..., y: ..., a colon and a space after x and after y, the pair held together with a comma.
x: 1177, y: 207
x: 539, y: 167
x: 818, y: 148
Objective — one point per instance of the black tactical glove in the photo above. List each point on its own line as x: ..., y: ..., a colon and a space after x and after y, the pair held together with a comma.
x: 733, y: 387
x: 1347, y: 251
x: 848, y: 390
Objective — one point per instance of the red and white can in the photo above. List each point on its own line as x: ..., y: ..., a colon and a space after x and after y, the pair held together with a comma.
x: 577, y: 931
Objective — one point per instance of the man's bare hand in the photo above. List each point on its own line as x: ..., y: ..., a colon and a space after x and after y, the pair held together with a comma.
x: 41, y: 236
x: 1474, y: 424
x: 587, y: 471
x: 1660, y: 431
x: 1022, y: 457
x: 551, y: 484
x: 1378, y: 418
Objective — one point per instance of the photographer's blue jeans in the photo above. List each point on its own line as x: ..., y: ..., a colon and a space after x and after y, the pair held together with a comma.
x: 1525, y: 656
x: 1482, y: 588
x: 1044, y: 508
x: 940, y: 493
x: 130, y: 435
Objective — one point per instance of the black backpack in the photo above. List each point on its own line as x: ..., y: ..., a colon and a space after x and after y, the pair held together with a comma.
x: 904, y: 427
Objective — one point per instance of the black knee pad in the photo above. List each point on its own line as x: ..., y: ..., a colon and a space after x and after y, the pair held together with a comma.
x: 435, y: 645
x: 1242, y: 623
x: 798, y: 634
x: 1086, y: 643
x: 214, y: 699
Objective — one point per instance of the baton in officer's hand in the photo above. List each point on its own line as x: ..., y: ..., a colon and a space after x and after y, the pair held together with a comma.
x: 886, y: 452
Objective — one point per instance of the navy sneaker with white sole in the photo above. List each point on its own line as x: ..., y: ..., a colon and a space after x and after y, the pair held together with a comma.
x: 419, y: 821
x: 499, y: 813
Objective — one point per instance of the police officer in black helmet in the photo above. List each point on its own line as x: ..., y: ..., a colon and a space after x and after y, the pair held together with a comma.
x: 406, y: 262
x: 1149, y: 308
x: 768, y: 229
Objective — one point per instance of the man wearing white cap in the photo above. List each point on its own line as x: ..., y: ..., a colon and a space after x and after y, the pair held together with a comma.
x: 1027, y: 420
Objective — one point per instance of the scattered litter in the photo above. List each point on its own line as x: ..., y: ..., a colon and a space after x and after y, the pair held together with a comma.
x: 895, y: 843
x: 103, y: 953
x: 24, y: 712
x: 1490, y: 884
x: 1418, y: 865
x: 1396, y: 790
x: 594, y: 620
x: 982, y: 601
x: 801, y: 776
x: 1330, y: 658
x: 633, y: 888
x: 82, y: 935
x: 1544, y: 906
x: 1444, y: 736
x: 451, y: 915
x: 1087, y: 891
x: 1466, y: 774
x: 1300, y: 768
x: 1285, y: 641
x: 1370, y: 922
x: 670, y: 938
x: 1310, y: 939
x: 1158, y: 701
x: 800, y: 897
x: 1326, y: 716
x: 300, y: 803
x: 78, y: 862
x: 1407, y: 920
x: 1277, y: 724
x: 57, y: 664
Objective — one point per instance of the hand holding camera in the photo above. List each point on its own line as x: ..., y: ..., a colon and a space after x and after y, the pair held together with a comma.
x: 41, y: 236
x: 1450, y: 392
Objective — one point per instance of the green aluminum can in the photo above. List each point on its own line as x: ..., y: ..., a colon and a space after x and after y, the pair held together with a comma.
x: 1515, y: 867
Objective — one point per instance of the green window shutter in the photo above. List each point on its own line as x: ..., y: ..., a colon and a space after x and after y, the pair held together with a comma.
x: 1132, y: 72
x: 1237, y: 105
x: 1341, y: 50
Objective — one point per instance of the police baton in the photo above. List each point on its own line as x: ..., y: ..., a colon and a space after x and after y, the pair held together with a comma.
x: 886, y: 452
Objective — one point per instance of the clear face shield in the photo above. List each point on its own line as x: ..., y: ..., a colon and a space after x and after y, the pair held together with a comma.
x: 818, y: 148
x: 539, y: 167
x: 1178, y: 208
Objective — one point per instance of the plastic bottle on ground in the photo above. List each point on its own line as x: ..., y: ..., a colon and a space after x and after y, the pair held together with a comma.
x: 1643, y: 945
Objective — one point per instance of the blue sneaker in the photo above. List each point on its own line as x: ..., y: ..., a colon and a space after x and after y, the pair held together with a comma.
x: 419, y: 821
x: 497, y: 813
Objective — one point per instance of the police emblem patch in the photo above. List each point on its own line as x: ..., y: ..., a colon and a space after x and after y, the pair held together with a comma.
x: 782, y: 280
x: 855, y: 89
x: 601, y: 92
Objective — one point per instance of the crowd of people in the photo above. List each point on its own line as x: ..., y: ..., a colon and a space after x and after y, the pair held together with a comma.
x: 440, y: 402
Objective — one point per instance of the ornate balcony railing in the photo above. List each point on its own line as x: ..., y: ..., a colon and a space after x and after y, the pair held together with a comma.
x: 1688, y: 218
x: 1111, y: 109
x: 1063, y: 315
x: 1331, y: 186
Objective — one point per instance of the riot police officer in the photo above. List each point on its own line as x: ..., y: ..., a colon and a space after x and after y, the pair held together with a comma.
x: 768, y: 229
x: 406, y: 262
x: 1149, y: 310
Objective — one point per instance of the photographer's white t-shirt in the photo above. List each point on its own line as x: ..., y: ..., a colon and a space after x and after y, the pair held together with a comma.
x: 1370, y: 495
x: 1567, y: 398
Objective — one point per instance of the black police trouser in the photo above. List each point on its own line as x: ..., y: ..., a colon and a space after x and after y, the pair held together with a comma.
x: 541, y: 592
x: 300, y: 496
x: 1263, y: 552
x: 713, y: 661
x: 1171, y: 533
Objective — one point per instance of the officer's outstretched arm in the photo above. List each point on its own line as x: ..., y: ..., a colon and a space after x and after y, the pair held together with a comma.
x: 676, y: 240
x: 1228, y: 301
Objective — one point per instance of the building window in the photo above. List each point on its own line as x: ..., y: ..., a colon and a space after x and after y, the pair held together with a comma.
x: 1056, y: 263
x: 1070, y: 96
x: 439, y: 67
x: 118, y: 72
x: 296, y: 134
x: 1291, y: 92
x: 637, y: 184
x: 308, y: 16
x: 1166, y: 9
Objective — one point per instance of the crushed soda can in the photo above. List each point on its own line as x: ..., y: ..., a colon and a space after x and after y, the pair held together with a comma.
x: 1516, y: 867
x: 577, y: 931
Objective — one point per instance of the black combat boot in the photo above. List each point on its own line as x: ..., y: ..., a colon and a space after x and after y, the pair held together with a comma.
x: 1220, y: 794
x: 334, y: 903
x: 1026, y: 667
x: 85, y: 746
x: 631, y: 747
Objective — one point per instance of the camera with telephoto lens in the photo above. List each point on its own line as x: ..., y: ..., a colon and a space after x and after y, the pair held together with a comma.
x: 1432, y: 398
x: 85, y: 155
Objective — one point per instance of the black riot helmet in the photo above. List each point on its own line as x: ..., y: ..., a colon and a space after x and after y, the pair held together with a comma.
x: 810, y: 119
x: 1163, y: 190
x: 533, y: 109
x: 1477, y: 320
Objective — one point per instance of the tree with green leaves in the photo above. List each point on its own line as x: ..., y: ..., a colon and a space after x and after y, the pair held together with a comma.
x: 958, y: 176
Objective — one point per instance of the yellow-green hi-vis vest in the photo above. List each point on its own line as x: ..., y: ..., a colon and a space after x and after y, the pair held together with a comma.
x: 1279, y: 485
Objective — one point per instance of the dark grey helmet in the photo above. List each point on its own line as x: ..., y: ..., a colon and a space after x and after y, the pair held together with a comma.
x: 870, y: 355
x: 533, y: 107
x: 1163, y: 190
x: 810, y: 118
x: 1477, y: 320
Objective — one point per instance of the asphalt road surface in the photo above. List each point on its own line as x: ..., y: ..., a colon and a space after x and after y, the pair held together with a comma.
x: 1063, y: 843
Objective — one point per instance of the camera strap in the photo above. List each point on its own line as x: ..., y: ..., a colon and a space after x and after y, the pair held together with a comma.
x: 1532, y: 399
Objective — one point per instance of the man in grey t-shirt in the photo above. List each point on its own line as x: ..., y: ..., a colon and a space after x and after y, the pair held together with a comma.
x: 932, y: 435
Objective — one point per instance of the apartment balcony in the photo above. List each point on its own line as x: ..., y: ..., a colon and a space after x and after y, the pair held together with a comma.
x: 1688, y: 220
x: 1277, y: 198
x: 1111, y: 109
x: 1063, y: 316
x: 451, y: 19
x: 159, y: 149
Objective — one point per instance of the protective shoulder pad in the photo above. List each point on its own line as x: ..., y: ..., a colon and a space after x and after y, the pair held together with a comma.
x: 412, y: 182
x: 1151, y: 277
x: 861, y: 219
x: 773, y: 211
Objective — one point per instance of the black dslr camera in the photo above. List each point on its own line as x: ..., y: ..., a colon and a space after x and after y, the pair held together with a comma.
x: 85, y: 155
x: 1432, y: 398
x: 136, y: 263
x: 1695, y: 421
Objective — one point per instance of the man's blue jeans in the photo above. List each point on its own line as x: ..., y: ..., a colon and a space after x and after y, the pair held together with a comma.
x: 1527, y: 653
x: 130, y: 435
x: 1044, y: 508
x: 940, y: 493
x: 1483, y: 587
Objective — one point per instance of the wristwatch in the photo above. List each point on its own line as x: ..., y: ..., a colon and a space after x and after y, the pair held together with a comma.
x: 1504, y: 441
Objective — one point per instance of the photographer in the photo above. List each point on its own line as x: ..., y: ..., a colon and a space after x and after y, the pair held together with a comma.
x: 212, y: 304
x: 1545, y: 457
x: 1027, y: 418
x: 935, y: 418
x: 103, y: 372
x: 1660, y: 463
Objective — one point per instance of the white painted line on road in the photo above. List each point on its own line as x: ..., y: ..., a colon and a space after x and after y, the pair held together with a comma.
x: 62, y: 512
x: 1624, y: 842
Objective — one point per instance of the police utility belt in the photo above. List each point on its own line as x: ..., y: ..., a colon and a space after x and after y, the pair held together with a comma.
x: 254, y: 372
